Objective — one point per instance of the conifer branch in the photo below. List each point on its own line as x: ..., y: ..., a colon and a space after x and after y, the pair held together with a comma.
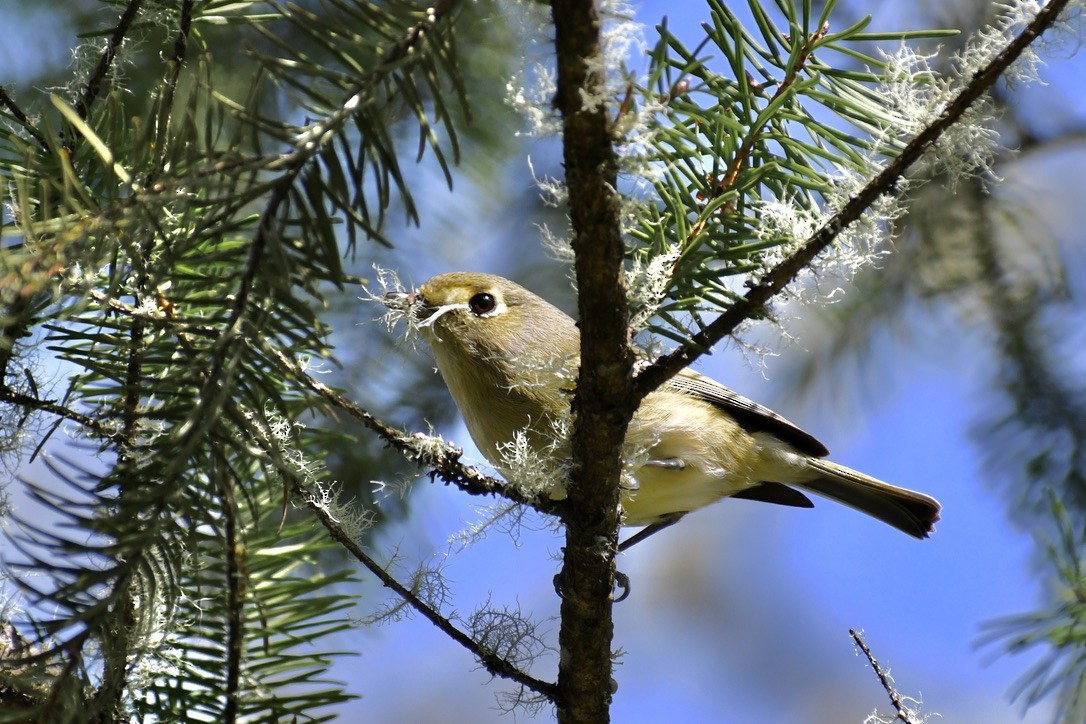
x: 29, y: 402
x: 777, y: 278
x: 309, y: 145
x: 111, y: 691
x: 444, y: 461
x: 235, y: 587
x: 24, y: 121
x: 93, y: 86
x: 173, y: 74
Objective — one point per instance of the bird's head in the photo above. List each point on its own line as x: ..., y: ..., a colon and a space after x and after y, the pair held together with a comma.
x: 474, y: 317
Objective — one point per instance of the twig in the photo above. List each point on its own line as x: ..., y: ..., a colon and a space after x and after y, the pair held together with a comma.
x: 27, y: 401
x: 24, y: 121
x: 495, y: 664
x: 785, y: 272
x: 174, y: 66
x: 105, y: 61
x: 444, y: 461
x: 904, y: 713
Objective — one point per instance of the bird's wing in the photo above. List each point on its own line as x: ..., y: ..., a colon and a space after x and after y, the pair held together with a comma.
x: 749, y: 414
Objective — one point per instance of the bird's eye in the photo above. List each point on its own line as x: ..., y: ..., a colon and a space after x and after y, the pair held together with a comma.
x: 482, y: 303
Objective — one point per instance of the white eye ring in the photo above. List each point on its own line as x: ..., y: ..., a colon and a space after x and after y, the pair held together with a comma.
x: 485, y: 305
x: 499, y: 308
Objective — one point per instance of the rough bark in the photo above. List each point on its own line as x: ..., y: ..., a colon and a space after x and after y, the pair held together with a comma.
x: 605, y: 385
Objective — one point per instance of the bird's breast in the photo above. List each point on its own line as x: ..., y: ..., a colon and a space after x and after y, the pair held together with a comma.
x: 498, y: 400
x: 685, y: 454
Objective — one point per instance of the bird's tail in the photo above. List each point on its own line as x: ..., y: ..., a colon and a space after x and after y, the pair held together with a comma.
x: 906, y: 510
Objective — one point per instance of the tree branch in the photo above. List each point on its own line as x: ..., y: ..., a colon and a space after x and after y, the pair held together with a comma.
x: 444, y: 461
x: 33, y: 403
x: 904, y: 713
x: 604, y: 380
x: 495, y: 664
x: 785, y: 272
x: 105, y: 61
x: 13, y: 108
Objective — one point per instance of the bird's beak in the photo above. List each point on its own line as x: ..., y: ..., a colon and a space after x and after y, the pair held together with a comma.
x: 414, y: 305
x: 402, y: 301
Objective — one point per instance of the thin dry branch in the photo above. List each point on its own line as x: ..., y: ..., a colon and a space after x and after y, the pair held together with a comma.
x: 493, y: 663
x: 904, y: 713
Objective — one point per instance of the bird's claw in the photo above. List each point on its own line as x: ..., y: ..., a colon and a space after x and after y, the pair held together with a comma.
x: 622, y: 582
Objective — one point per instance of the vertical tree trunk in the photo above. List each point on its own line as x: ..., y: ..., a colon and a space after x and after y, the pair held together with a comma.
x: 604, y: 385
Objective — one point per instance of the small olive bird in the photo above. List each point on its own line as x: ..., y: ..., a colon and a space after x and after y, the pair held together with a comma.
x: 510, y: 361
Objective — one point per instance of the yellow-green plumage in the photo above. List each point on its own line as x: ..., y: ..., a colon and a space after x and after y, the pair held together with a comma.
x: 510, y: 361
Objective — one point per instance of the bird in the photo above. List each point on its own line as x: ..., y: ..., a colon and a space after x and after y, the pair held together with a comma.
x: 510, y: 358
